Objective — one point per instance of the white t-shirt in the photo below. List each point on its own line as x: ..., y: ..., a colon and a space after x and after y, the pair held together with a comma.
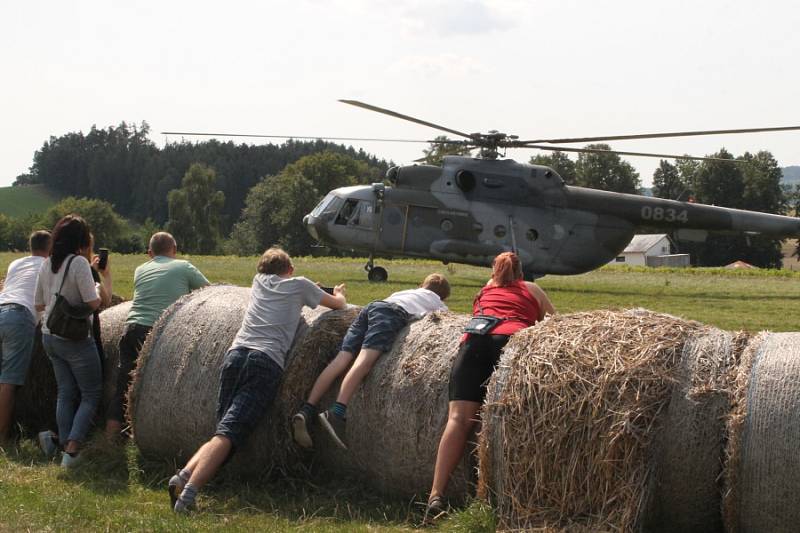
x: 417, y: 302
x: 273, y: 312
x: 79, y: 287
x: 20, y: 283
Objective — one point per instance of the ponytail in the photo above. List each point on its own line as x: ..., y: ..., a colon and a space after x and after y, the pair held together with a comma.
x: 506, y: 269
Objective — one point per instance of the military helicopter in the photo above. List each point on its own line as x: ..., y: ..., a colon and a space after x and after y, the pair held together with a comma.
x: 471, y: 209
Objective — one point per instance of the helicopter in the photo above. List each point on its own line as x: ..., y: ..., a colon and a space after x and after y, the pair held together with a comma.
x: 471, y: 209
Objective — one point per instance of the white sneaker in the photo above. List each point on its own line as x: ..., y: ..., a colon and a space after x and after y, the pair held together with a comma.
x: 69, y: 461
x: 47, y: 443
x: 300, y: 431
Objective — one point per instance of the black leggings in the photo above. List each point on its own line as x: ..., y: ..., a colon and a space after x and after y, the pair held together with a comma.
x: 474, y: 365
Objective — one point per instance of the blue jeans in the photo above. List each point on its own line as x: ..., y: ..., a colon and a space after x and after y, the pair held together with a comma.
x: 76, y: 365
x: 17, y: 330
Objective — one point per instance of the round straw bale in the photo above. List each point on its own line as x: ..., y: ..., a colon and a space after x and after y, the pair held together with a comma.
x: 395, y: 420
x: 112, y: 327
x: 764, y: 473
x: 570, y: 416
x: 35, y: 406
x: 173, y: 398
x: 684, y: 492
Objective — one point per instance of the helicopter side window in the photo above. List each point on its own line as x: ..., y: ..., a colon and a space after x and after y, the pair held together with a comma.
x: 356, y: 213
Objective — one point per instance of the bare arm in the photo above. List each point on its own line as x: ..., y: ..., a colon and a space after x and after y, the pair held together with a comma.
x: 337, y: 300
x: 545, y: 305
x: 105, y: 282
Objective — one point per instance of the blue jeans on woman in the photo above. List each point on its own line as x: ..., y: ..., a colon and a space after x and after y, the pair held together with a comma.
x: 76, y: 365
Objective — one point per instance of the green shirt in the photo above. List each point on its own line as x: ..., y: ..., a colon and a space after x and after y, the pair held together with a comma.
x: 157, y: 284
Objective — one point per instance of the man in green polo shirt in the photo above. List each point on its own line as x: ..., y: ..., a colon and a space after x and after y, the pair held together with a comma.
x: 156, y: 286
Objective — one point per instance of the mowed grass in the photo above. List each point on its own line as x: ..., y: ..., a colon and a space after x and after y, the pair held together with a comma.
x: 21, y: 201
x: 118, y: 490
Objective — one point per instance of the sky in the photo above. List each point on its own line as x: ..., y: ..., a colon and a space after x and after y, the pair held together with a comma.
x: 526, y: 67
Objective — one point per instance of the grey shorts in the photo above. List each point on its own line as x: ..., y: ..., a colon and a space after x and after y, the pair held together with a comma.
x: 17, y: 331
x: 376, y: 327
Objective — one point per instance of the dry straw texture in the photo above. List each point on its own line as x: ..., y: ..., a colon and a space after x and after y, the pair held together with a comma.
x: 395, y: 420
x: 683, y: 493
x: 112, y: 327
x: 174, y: 394
x: 571, y: 414
x: 765, y: 473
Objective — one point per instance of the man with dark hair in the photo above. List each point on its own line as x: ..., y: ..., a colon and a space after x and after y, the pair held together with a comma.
x: 253, y: 367
x: 371, y: 333
x: 18, y: 318
x: 156, y: 285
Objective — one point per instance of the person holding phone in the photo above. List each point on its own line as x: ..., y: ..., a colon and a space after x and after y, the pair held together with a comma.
x: 76, y: 364
x: 157, y: 284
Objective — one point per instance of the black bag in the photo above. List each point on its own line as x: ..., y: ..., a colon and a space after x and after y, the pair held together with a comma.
x: 481, y: 324
x: 66, y: 320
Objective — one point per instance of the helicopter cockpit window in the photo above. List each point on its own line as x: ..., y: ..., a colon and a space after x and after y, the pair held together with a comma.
x: 327, y: 205
x: 356, y: 212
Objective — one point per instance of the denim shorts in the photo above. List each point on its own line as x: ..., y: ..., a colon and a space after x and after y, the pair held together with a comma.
x: 376, y: 327
x: 248, y: 384
x: 17, y: 331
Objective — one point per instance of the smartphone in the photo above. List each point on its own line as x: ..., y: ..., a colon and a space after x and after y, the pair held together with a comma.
x: 329, y: 290
x: 103, y: 253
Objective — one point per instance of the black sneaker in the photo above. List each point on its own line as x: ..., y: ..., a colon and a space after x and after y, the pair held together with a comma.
x: 435, y: 510
x: 335, y: 426
x: 300, y: 431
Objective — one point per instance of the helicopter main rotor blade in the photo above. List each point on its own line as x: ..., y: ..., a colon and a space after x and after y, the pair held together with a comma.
x: 309, y: 137
x: 660, y: 135
x: 619, y: 152
x: 404, y: 117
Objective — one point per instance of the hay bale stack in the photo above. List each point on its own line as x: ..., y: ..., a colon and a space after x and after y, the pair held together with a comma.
x: 763, y: 471
x: 174, y: 393
x: 396, y: 419
x: 35, y: 408
x: 684, y: 491
x: 570, y: 417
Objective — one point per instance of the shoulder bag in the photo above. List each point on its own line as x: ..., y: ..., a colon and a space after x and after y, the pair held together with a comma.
x: 481, y: 324
x: 66, y: 320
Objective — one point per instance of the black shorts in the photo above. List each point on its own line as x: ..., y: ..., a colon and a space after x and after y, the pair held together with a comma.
x: 474, y: 365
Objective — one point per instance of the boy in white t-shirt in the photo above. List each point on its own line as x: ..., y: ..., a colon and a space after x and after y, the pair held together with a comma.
x: 372, y: 333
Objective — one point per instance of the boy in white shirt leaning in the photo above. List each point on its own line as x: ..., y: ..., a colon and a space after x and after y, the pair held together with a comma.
x: 372, y: 333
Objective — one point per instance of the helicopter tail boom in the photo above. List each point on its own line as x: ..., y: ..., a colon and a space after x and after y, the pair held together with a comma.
x: 658, y: 212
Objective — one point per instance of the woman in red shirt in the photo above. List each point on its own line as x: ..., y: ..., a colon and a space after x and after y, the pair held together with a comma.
x: 519, y: 304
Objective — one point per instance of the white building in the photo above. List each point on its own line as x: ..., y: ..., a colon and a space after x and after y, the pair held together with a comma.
x: 650, y: 246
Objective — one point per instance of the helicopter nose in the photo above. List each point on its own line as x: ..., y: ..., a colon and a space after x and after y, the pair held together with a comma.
x: 310, y: 224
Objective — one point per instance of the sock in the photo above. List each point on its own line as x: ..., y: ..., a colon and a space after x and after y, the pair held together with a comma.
x: 309, y: 410
x: 340, y: 410
x: 184, y: 475
x: 188, y: 495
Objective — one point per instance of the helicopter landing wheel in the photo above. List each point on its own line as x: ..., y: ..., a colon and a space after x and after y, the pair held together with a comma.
x: 378, y: 275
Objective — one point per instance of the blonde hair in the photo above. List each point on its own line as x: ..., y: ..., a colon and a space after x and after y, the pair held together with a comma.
x: 275, y: 261
x: 438, y: 284
x: 506, y: 269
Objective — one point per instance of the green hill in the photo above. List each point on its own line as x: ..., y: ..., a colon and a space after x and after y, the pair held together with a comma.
x: 791, y: 175
x: 23, y: 200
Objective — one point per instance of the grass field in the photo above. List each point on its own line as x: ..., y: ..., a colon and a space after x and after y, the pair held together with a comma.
x: 21, y: 201
x: 117, y: 490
